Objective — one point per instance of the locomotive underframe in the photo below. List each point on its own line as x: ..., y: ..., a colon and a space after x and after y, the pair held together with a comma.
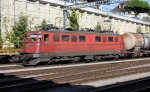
x: 34, y: 59
x: 136, y: 52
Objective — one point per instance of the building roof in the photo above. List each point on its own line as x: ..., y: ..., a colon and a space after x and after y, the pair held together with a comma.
x: 120, y: 9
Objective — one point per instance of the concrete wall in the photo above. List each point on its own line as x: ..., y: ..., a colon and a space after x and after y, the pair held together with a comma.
x: 52, y: 12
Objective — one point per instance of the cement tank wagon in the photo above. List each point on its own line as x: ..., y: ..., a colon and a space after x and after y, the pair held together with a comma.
x: 132, y: 40
x: 146, y: 41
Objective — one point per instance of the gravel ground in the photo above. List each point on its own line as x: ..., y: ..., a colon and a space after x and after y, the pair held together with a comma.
x: 76, y: 74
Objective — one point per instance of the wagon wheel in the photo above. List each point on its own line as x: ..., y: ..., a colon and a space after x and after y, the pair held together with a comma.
x: 88, y: 60
x: 133, y: 55
x: 4, y: 60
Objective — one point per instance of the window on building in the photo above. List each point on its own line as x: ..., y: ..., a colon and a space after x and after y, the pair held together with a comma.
x: 119, y: 6
x: 74, y: 38
x: 110, y: 39
x: 65, y: 38
x: 98, y: 39
x: 82, y: 38
x: 46, y: 38
x: 56, y: 38
x: 122, y: 6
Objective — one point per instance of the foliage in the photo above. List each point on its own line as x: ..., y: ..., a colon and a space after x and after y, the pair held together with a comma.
x: 8, y: 34
x: 137, y: 6
x: 58, y: 20
x: 73, y: 19
x: 139, y: 29
x: 30, y: 27
x: 19, y: 28
x: 98, y: 28
x: 1, y: 40
x: 43, y: 22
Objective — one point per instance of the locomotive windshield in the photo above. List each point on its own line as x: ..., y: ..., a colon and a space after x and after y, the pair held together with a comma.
x: 35, y: 37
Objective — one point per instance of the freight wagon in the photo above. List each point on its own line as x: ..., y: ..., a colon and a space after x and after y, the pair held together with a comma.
x: 8, y: 55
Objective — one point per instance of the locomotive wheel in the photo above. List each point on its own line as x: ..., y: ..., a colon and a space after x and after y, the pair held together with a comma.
x: 116, y: 58
x: 88, y: 60
x: 24, y: 62
x: 51, y: 62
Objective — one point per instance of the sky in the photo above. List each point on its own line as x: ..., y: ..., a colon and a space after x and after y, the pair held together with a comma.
x: 111, y: 6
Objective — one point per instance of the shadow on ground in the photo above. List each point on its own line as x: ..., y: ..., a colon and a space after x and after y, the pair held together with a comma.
x: 12, y: 83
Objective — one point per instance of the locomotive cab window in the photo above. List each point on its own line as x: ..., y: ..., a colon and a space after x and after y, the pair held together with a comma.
x: 46, y: 38
x: 82, y: 38
x: 74, y: 38
x: 98, y: 39
x: 56, y: 38
x: 110, y: 39
x: 65, y: 38
x: 39, y: 37
x: 35, y: 37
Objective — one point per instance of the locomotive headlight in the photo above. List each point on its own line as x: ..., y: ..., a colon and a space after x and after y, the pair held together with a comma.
x: 38, y: 44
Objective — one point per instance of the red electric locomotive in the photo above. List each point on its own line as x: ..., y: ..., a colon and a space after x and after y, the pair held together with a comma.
x: 54, y: 46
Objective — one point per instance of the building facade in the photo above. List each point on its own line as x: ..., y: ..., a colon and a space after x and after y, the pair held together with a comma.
x: 52, y: 12
x: 122, y: 11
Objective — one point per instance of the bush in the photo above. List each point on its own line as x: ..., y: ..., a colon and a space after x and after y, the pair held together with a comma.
x: 137, y: 6
x: 73, y: 19
x: 1, y: 40
x: 18, y: 30
x: 98, y: 28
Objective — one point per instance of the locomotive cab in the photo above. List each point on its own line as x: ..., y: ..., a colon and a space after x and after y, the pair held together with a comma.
x: 32, y: 43
x: 32, y: 48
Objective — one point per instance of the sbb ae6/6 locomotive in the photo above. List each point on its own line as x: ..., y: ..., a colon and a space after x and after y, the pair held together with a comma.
x: 56, y: 46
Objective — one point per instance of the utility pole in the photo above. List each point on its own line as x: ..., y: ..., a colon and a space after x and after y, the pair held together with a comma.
x: 14, y: 11
x: 65, y: 15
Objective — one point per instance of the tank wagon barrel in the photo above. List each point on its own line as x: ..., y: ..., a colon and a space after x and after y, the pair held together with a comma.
x: 146, y: 41
x: 132, y: 40
x: 139, y: 40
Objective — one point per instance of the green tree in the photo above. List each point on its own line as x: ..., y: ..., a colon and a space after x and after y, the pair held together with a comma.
x: 73, y: 19
x: 8, y: 35
x: 43, y: 22
x: 18, y: 30
x: 1, y: 40
x: 137, y: 6
x: 98, y: 28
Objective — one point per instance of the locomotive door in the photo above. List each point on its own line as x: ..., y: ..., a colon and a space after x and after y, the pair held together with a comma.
x: 45, y: 43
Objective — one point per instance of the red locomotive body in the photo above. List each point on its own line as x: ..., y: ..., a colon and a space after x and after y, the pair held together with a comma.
x: 53, y: 46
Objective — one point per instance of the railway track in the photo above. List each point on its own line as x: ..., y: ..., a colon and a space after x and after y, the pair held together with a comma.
x: 19, y: 66
x: 36, y: 80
